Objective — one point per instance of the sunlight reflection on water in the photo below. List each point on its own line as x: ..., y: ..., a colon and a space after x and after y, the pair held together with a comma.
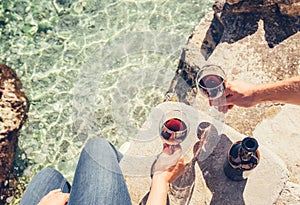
x: 50, y: 45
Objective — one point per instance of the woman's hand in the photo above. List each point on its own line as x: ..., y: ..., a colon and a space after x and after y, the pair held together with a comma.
x: 55, y: 197
x: 161, y: 181
x: 170, y: 174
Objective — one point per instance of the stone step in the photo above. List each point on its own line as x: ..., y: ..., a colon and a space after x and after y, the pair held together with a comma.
x: 263, y: 186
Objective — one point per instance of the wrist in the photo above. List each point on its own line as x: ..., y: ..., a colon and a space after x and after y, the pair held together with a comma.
x: 268, y: 92
x: 159, y: 181
x: 158, y: 191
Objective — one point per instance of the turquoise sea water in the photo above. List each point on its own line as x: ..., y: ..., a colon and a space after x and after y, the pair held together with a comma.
x: 90, y: 68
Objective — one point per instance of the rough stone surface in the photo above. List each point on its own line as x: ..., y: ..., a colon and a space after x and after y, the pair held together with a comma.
x: 249, y: 59
x: 233, y: 22
x: 281, y: 133
x: 14, y: 106
x: 256, y: 43
x: 290, y: 194
x: 290, y: 7
x: 263, y: 186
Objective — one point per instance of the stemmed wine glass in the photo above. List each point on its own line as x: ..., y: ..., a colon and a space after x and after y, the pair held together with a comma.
x: 210, y: 83
x: 173, y: 129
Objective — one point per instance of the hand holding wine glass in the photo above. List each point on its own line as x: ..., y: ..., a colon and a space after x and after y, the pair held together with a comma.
x: 173, y: 129
x: 210, y: 82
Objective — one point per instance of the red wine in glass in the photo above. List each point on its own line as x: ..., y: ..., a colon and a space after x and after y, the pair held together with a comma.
x: 173, y: 131
x: 212, y: 86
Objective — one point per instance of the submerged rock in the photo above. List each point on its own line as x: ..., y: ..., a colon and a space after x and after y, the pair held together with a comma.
x: 14, y: 106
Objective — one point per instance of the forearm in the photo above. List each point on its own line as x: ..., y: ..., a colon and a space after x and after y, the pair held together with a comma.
x: 286, y: 91
x: 158, y: 193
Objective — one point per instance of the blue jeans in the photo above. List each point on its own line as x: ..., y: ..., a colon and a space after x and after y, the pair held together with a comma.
x: 98, y: 179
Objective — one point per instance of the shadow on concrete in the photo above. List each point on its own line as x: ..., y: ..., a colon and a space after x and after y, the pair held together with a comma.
x: 234, y: 22
x: 223, y: 189
x: 211, y: 162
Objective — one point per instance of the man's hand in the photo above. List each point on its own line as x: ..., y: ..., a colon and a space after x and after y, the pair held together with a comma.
x: 246, y: 95
x: 240, y: 93
x: 236, y: 93
x: 55, y: 197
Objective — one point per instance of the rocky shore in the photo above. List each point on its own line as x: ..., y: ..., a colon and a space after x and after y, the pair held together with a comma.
x: 14, y: 106
x: 256, y: 42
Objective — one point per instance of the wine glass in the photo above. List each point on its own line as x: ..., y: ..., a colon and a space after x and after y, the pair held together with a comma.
x: 210, y: 83
x: 173, y: 129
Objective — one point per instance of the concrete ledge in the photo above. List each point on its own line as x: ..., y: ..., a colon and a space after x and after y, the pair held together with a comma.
x: 211, y: 186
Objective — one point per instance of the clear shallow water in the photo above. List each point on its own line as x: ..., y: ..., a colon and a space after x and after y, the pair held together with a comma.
x: 90, y: 67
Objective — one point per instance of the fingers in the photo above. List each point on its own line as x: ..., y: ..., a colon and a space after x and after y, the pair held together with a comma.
x: 55, y: 197
x: 176, y: 170
x: 55, y: 191
x: 227, y: 89
x: 230, y: 107
x: 178, y: 166
x: 180, y: 162
x: 223, y: 105
x: 225, y: 100
x: 171, y: 149
x: 223, y: 109
x: 65, y: 196
x: 221, y: 101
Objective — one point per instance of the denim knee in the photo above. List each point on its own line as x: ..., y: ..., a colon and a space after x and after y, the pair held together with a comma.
x: 48, y: 171
x: 97, y: 147
x: 45, y: 173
